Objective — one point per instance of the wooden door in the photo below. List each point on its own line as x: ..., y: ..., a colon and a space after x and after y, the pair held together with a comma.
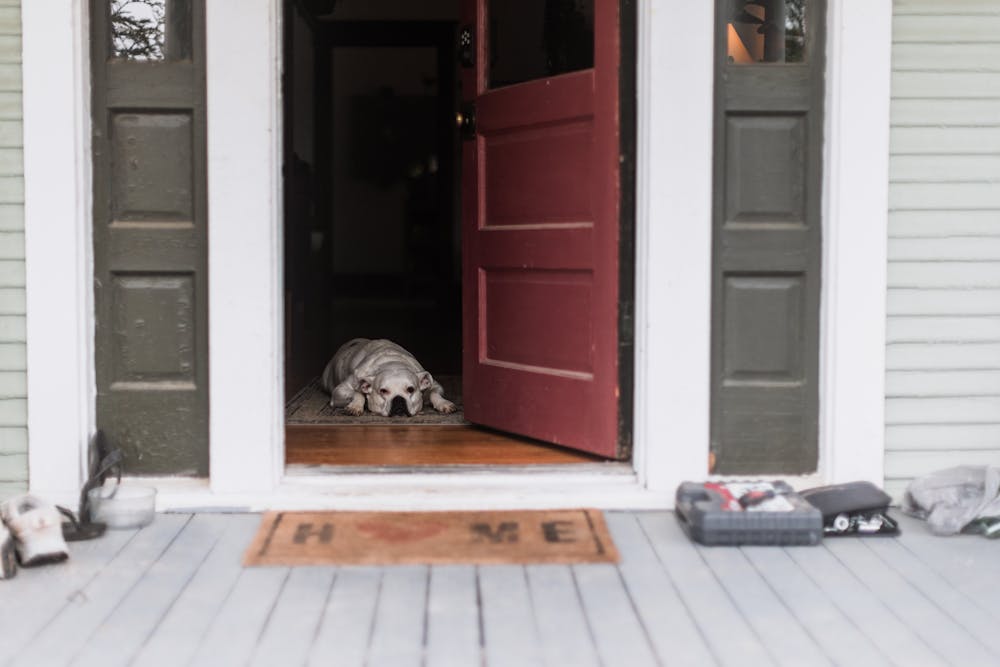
x: 540, y: 209
x: 767, y: 228
x: 150, y: 242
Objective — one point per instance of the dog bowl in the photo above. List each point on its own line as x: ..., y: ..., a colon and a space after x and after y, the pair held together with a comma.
x: 123, y: 506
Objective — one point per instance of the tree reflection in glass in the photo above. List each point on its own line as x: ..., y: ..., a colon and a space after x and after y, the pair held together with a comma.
x: 138, y: 29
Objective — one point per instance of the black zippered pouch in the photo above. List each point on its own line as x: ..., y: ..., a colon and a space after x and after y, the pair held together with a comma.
x: 853, y: 508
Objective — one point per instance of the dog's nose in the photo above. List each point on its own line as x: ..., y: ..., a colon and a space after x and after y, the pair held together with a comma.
x: 398, y: 407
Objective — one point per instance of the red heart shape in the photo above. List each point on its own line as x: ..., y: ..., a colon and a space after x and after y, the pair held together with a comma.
x: 396, y: 533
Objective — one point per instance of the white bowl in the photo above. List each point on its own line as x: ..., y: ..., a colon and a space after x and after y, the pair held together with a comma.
x: 124, y: 506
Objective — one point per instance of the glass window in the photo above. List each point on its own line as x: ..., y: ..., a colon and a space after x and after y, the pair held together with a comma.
x: 151, y: 29
x: 766, y: 31
x: 533, y: 39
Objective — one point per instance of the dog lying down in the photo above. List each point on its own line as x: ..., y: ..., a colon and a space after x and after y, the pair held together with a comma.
x: 385, y: 376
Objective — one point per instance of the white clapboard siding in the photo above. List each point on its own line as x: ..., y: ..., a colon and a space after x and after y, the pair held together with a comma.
x: 952, y: 274
x: 959, y: 249
x: 943, y: 330
x: 943, y: 356
x: 958, y: 301
x: 962, y: 437
x: 13, y: 403
x: 983, y: 169
x: 933, y: 7
x: 957, y: 111
x: 948, y: 140
x: 943, y: 410
x: 11, y: 215
x: 972, y: 28
x: 950, y: 84
x: 923, y: 57
x: 943, y: 224
x: 10, y: 48
x: 942, y: 383
x: 979, y: 196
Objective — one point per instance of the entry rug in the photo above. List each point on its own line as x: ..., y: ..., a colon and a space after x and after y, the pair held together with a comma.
x: 431, y: 538
x: 311, y: 405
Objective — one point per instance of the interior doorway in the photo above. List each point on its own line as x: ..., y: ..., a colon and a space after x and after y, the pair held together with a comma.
x: 372, y: 234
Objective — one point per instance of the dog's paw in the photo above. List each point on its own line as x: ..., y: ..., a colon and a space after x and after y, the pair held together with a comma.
x: 445, y: 407
x: 355, y: 408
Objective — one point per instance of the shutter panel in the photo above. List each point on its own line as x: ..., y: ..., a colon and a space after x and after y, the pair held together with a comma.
x: 150, y: 241
x: 767, y: 227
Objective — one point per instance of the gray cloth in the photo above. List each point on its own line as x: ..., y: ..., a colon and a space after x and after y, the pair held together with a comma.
x: 951, y: 499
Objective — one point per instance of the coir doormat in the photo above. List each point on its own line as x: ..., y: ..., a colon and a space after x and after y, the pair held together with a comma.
x: 431, y: 538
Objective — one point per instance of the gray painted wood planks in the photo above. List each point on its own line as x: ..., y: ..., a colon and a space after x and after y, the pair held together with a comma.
x: 175, y: 593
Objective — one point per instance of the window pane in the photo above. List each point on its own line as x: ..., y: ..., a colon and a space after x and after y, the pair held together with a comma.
x: 151, y: 29
x: 533, y: 39
x: 766, y: 31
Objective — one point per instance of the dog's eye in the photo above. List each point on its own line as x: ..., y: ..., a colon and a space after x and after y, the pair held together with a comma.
x: 384, y: 392
x: 410, y: 390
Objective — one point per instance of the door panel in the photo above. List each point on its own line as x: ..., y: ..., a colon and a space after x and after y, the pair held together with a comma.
x: 540, y: 190
x: 150, y: 231
x: 767, y: 227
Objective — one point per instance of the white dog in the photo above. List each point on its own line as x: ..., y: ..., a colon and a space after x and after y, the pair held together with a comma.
x: 389, y: 376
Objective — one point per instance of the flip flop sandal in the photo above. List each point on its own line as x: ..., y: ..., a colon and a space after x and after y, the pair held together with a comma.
x: 75, y: 530
x: 103, y: 462
x: 37, y: 528
x: 8, y: 558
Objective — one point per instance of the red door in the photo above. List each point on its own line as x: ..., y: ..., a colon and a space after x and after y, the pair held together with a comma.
x: 540, y: 192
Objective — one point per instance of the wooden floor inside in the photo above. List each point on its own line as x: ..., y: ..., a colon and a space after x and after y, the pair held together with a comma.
x: 415, y: 446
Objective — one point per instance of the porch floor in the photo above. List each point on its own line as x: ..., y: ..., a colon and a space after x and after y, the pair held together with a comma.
x: 174, y: 593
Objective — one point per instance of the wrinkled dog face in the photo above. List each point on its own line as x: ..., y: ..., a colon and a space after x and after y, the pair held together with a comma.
x: 395, y: 392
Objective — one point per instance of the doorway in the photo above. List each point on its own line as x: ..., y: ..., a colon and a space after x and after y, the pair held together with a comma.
x: 372, y: 234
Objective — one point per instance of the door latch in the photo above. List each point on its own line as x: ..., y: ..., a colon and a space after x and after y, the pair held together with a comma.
x: 465, y: 121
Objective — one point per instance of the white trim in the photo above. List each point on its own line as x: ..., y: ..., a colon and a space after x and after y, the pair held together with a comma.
x: 673, y: 241
x: 855, y: 238
x: 246, y: 429
x: 672, y: 301
x: 440, y: 491
x: 57, y: 215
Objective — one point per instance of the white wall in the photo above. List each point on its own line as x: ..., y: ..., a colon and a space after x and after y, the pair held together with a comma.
x: 943, y: 338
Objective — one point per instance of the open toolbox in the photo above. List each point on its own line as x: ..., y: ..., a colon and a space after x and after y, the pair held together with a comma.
x: 752, y: 512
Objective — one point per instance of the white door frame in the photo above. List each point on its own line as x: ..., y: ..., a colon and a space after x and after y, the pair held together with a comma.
x: 673, y: 265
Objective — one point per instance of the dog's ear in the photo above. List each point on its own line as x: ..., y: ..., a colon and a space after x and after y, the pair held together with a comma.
x: 425, y: 380
x: 364, y: 385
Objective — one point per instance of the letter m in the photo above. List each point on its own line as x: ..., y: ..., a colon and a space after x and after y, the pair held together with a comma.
x: 484, y: 532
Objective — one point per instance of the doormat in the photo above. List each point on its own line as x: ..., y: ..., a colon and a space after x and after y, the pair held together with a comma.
x: 311, y: 405
x: 431, y: 538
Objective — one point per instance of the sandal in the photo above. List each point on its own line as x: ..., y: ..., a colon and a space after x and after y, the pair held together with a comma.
x: 8, y: 558
x: 75, y: 530
x: 36, y: 526
x: 103, y: 461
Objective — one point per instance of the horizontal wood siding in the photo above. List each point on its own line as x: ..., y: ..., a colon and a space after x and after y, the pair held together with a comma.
x: 13, y: 393
x: 943, y: 342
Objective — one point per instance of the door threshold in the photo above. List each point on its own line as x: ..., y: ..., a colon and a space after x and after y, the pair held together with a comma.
x: 295, y: 470
x: 608, y: 486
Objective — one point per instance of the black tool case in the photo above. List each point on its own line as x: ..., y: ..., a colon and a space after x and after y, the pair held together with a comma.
x: 734, y: 513
x: 854, y: 508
